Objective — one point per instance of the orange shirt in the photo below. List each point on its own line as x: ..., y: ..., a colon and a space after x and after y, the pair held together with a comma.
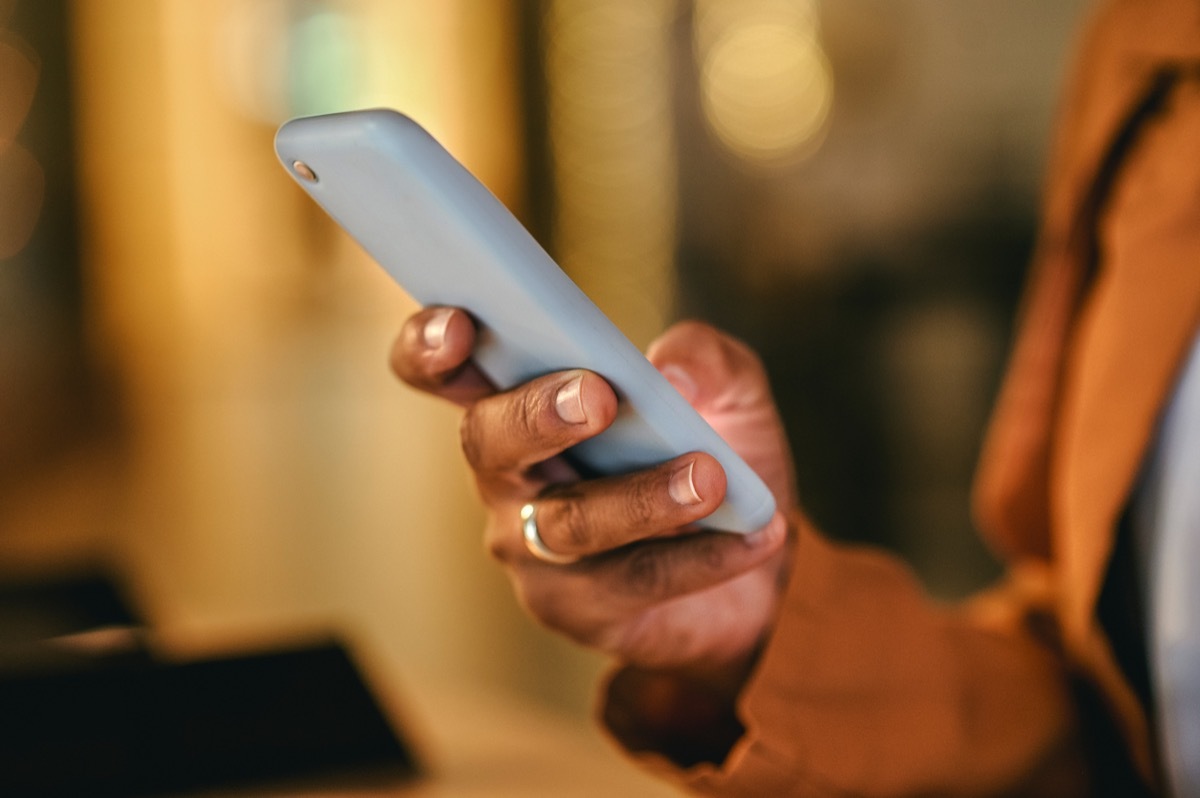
x: 865, y: 686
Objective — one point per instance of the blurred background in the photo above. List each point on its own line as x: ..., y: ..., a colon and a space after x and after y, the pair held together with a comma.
x: 194, y: 393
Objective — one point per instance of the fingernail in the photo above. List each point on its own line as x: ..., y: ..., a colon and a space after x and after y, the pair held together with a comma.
x: 681, y: 380
x: 433, y: 335
x: 759, y: 537
x: 569, y: 402
x: 755, y: 539
x: 681, y: 488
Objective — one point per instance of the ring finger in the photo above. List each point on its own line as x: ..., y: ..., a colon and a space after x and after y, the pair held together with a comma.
x: 589, y: 518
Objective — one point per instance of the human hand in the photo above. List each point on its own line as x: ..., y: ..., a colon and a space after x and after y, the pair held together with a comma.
x: 648, y: 588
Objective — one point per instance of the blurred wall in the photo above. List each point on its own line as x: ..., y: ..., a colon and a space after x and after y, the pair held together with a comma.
x: 873, y: 250
x: 277, y: 477
x: 49, y: 396
x: 850, y: 186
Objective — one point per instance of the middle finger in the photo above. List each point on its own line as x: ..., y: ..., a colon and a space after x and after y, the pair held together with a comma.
x: 515, y: 430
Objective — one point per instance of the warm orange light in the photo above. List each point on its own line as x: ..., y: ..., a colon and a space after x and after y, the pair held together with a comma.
x: 608, y: 70
x: 18, y: 81
x: 22, y: 183
x: 766, y: 86
x: 22, y: 186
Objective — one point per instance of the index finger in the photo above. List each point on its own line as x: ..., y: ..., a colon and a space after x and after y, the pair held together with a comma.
x: 432, y: 354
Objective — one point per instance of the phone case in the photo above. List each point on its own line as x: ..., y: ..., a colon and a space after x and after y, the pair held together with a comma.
x: 448, y: 241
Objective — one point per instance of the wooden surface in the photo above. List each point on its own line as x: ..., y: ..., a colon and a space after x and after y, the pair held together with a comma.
x: 491, y: 746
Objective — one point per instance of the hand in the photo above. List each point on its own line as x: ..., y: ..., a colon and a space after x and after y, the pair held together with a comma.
x: 648, y: 589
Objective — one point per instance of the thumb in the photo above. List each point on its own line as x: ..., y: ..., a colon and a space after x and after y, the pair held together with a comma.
x: 715, y: 372
x: 725, y: 381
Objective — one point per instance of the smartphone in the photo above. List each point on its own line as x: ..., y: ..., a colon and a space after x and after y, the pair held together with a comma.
x: 447, y: 240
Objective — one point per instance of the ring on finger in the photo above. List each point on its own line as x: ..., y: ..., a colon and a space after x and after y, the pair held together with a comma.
x: 533, y: 539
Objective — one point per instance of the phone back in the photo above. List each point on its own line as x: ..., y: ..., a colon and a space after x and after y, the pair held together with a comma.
x: 448, y: 241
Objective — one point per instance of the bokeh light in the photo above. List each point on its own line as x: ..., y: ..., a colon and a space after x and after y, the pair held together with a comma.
x: 283, y: 58
x: 766, y: 85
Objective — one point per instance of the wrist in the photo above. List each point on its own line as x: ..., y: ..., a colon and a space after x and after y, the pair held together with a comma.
x: 687, y: 716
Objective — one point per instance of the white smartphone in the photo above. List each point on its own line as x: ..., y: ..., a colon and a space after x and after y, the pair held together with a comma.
x: 448, y: 241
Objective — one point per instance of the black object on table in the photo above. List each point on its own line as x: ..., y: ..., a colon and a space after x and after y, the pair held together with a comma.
x: 128, y: 725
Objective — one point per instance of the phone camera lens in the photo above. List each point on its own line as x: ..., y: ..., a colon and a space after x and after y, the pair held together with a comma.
x: 305, y: 171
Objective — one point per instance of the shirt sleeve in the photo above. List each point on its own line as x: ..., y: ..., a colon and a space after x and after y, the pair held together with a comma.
x: 868, y: 688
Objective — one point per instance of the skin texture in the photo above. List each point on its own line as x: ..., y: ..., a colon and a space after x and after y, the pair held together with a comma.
x: 648, y: 589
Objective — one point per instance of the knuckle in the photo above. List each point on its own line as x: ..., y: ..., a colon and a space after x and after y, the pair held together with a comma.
x: 661, y: 571
x: 647, y: 572
x: 711, y: 553
x: 719, y: 348
x: 542, y: 604
x: 735, y: 356
x: 528, y: 415
x: 642, y: 504
x: 569, y: 618
x: 468, y: 437
x: 740, y: 358
x: 573, y: 525
x: 495, y: 543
